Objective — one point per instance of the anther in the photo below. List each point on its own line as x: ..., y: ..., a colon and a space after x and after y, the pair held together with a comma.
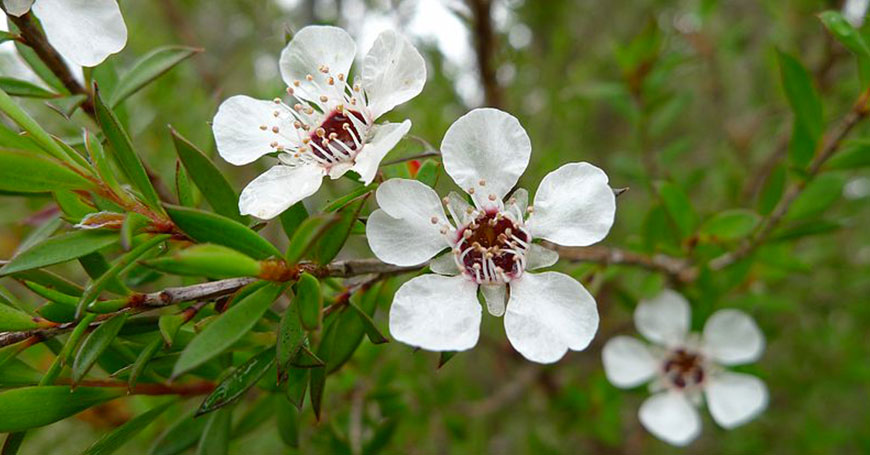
x: 434, y: 220
x: 290, y: 91
x: 277, y: 100
x: 471, y: 191
x: 297, y: 83
x: 482, y: 182
x: 275, y: 129
x: 324, y: 98
x: 263, y: 127
x: 309, y: 78
x: 273, y: 145
x: 492, y: 197
x: 275, y: 113
x: 320, y: 132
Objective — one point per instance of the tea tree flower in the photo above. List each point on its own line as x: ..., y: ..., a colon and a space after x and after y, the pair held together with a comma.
x: 83, y: 31
x: 328, y: 127
x: 490, y: 244
x: 684, y: 369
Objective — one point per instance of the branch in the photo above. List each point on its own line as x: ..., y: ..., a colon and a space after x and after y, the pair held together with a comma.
x: 831, y: 145
x: 676, y: 268
x: 32, y: 36
x: 485, y: 47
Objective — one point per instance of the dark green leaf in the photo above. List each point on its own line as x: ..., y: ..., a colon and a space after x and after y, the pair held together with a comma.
x: 148, y: 68
x: 445, y: 357
x: 227, y: 329
x: 134, y: 223
x: 61, y: 248
x: 182, y: 435
x: 27, y: 173
x: 331, y: 242
x: 772, y: 190
x: 14, y: 320
x: 819, y: 194
x: 288, y: 424
x: 369, y: 326
x: 114, y: 440
x: 297, y: 384
x: 95, y: 344
x: 207, y: 227
x: 17, y: 87
x: 31, y: 407
x: 307, y: 234
x: 854, y: 155
x: 318, y: 383
x: 343, y: 201
x: 38, y: 66
x: 124, y: 155
x: 169, y: 325
x: 679, y: 207
x: 801, y: 146
x: 802, y: 95
x: 214, y: 187
x: 805, y: 229
x: 292, y: 218
x: 845, y: 33
x: 731, y: 224
x: 345, y: 333
x: 215, y: 438
x: 290, y: 337
x: 96, y: 266
x: 309, y: 301
x: 238, y: 382
x: 213, y: 261
x: 142, y: 361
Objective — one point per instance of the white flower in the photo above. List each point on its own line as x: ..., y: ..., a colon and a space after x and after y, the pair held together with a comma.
x: 330, y: 127
x: 83, y: 31
x: 491, y: 245
x: 855, y: 11
x: 686, y: 369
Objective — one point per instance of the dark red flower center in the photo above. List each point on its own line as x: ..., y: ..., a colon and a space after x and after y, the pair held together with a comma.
x: 337, y: 137
x: 684, y: 368
x: 492, y: 248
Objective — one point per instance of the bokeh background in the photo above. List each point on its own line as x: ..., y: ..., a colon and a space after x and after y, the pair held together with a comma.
x: 681, y: 91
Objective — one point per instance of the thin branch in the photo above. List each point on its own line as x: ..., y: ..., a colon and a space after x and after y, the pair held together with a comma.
x: 831, y: 145
x: 485, y: 45
x: 32, y: 36
x: 676, y: 268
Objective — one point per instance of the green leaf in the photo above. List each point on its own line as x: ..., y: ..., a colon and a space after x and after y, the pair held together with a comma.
x: 118, y: 268
x: 238, y: 382
x: 845, y: 33
x: 52, y: 294
x: 318, y: 383
x: 227, y: 329
x: 14, y: 320
x: 142, y: 361
x: 369, y: 326
x: 169, y: 324
x: 28, y: 173
x: 111, y: 442
x: 17, y: 87
x: 215, y: 438
x: 209, y: 260
x: 805, y: 229
x: 802, y: 95
x: 854, y: 155
x: 148, y: 68
x: 731, y: 224
x: 679, y: 207
x: 801, y: 145
x: 428, y: 172
x: 445, y: 357
x: 309, y: 301
x: 345, y: 333
x: 58, y: 249
x: 288, y: 424
x: 207, y: 227
x: 210, y: 181
x: 297, y: 384
x: 290, y: 338
x: 331, y: 242
x: 772, y: 191
x: 104, y: 169
x: 306, y: 235
x: 31, y: 407
x: 95, y: 344
x: 124, y: 155
x: 134, y: 223
x: 96, y: 266
x: 292, y: 218
x: 345, y: 200
x: 180, y: 436
x: 38, y: 66
x: 818, y: 195
x: 27, y: 123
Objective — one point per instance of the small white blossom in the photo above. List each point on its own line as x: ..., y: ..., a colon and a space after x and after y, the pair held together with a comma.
x: 83, y: 31
x: 685, y: 369
x: 491, y: 245
x: 328, y: 126
x: 855, y: 11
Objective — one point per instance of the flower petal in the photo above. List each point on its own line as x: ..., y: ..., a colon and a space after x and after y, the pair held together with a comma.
x: 83, y: 31
x: 627, y: 362
x: 238, y: 131
x: 538, y: 257
x: 278, y: 188
x: 392, y: 72
x: 436, y: 313
x: 402, y: 232
x: 486, y: 145
x: 383, y: 138
x: 459, y: 209
x: 670, y: 417
x: 547, y: 314
x: 663, y: 319
x: 17, y: 8
x: 444, y: 265
x: 574, y: 206
x: 495, y: 296
x: 735, y: 398
x: 732, y: 337
x: 312, y: 48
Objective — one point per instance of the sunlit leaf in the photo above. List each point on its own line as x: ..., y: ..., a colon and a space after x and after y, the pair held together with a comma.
x: 208, y: 227
x: 238, y: 382
x: 31, y: 407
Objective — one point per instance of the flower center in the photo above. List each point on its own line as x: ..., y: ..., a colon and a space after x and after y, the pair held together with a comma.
x: 492, y: 248
x: 337, y: 138
x: 683, y: 368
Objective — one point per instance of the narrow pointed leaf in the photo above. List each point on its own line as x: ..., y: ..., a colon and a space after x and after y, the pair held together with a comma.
x: 215, y: 438
x: 17, y: 87
x: 288, y: 424
x: 27, y: 173
x: 142, y: 361
x: 731, y: 224
x: 309, y: 301
x: 95, y: 344
x: 205, y: 227
x: 61, y: 248
x: 114, y: 440
x: 27, y: 123
x: 180, y: 436
x: 297, y: 384
x: 679, y: 207
x: 14, y: 320
x: 845, y: 33
x: 802, y: 95
x: 329, y: 245
x: 238, y: 382
x: 445, y: 357
x: 148, y: 68
x: 210, y: 181
x: 213, y: 261
x: 228, y: 328
x: 369, y: 326
x: 31, y: 407
x: 290, y: 337
x: 307, y: 234
x: 292, y: 218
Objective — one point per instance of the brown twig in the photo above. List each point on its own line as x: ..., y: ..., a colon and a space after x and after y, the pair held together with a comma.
x: 485, y: 46
x: 831, y: 145
x: 33, y: 37
x: 676, y: 268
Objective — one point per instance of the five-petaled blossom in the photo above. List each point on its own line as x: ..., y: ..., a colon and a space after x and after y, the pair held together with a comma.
x: 491, y: 244
x: 329, y: 128
x: 686, y: 369
x: 83, y: 31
